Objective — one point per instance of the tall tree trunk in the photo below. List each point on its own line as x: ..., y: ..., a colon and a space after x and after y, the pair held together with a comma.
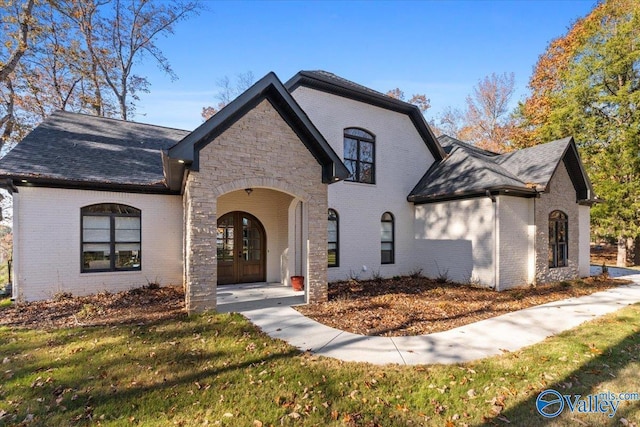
x: 621, y: 261
x: 633, y: 251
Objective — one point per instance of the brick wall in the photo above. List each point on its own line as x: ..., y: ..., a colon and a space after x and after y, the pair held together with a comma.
x: 401, y: 158
x: 258, y: 151
x: 456, y: 239
x: 47, y: 252
x: 516, y: 254
x: 584, y: 249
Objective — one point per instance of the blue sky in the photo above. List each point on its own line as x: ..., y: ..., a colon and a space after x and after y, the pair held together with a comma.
x: 439, y: 48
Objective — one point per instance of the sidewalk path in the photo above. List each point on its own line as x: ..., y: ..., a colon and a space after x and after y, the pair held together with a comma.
x: 485, y: 338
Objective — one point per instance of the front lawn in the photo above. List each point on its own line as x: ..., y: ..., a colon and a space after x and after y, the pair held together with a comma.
x: 218, y: 369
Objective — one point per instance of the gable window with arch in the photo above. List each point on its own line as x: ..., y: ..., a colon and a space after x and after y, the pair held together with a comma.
x: 558, y: 239
x: 333, y: 229
x: 387, y: 237
x: 111, y: 238
x: 359, y: 155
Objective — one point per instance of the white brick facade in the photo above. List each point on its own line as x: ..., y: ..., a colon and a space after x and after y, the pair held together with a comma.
x: 516, y: 247
x: 47, y: 251
x: 456, y: 240
x: 584, y: 248
x: 401, y: 158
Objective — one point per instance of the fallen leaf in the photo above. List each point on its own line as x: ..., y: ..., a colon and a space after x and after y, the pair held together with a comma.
x: 503, y: 419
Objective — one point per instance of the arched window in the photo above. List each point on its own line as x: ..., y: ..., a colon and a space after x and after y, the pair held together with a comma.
x: 387, y: 237
x: 558, y: 239
x: 333, y: 229
x: 110, y: 235
x: 359, y: 155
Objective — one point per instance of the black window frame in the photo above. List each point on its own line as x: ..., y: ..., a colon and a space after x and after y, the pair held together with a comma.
x: 558, y: 242
x: 392, y: 257
x: 360, y: 136
x: 112, y: 211
x: 337, y: 241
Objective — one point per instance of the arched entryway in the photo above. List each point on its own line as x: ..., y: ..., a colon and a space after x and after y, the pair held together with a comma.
x: 241, y: 249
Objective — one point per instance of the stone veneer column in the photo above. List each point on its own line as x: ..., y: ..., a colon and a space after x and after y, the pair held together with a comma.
x: 201, y: 257
x: 317, y: 250
x: 561, y: 196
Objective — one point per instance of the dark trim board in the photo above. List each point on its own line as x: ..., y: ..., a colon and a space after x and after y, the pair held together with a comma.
x: 16, y: 183
x: 516, y: 192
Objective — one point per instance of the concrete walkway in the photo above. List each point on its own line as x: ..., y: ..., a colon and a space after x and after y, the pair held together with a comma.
x: 478, y: 340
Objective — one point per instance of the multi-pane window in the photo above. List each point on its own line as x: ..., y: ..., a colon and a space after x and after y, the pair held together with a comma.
x: 110, y: 238
x: 387, y: 250
x: 359, y: 155
x: 558, y: 239
x: 332, y: 239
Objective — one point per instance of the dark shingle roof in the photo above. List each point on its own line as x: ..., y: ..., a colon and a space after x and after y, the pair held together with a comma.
x: 449, y: 143
x: 341, y: 81
x: 82, y: 149
x: 468, y: 170
x: 464, y: 172
x: 535, y: 165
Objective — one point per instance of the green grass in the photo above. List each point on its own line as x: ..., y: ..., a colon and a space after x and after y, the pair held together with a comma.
x: 5, y: 302
x: 218, y: 369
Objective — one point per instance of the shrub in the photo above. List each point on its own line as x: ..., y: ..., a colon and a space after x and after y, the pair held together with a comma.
x: 376, y: 276
x: 416, y: 273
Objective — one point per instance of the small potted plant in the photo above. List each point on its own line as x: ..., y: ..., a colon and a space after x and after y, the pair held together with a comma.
x: 297, y: 283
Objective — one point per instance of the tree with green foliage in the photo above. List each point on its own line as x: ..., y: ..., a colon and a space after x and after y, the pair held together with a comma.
x: 593, y: 93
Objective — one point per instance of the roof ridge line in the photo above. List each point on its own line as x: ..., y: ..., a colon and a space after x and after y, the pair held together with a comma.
x: 115, y: 119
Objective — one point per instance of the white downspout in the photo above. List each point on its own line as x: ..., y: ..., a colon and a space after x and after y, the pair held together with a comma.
x: 495, y: 238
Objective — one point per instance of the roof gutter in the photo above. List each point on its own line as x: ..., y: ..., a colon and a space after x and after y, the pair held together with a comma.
x: 30, y: 181
x: 507, y: 190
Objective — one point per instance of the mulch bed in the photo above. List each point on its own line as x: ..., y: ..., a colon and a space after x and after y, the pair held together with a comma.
x: 138, y: 306
x: 416, y: 306
x: 392, y: 307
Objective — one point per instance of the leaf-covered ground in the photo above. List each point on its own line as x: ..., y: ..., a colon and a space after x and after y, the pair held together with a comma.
x: 141, y: 305
x: 415, y: 306
x: 218, y: 369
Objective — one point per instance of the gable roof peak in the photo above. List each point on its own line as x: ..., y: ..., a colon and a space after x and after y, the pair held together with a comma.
x: 325, y: 81
x: 270, y: 88
x: 449, y: 143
